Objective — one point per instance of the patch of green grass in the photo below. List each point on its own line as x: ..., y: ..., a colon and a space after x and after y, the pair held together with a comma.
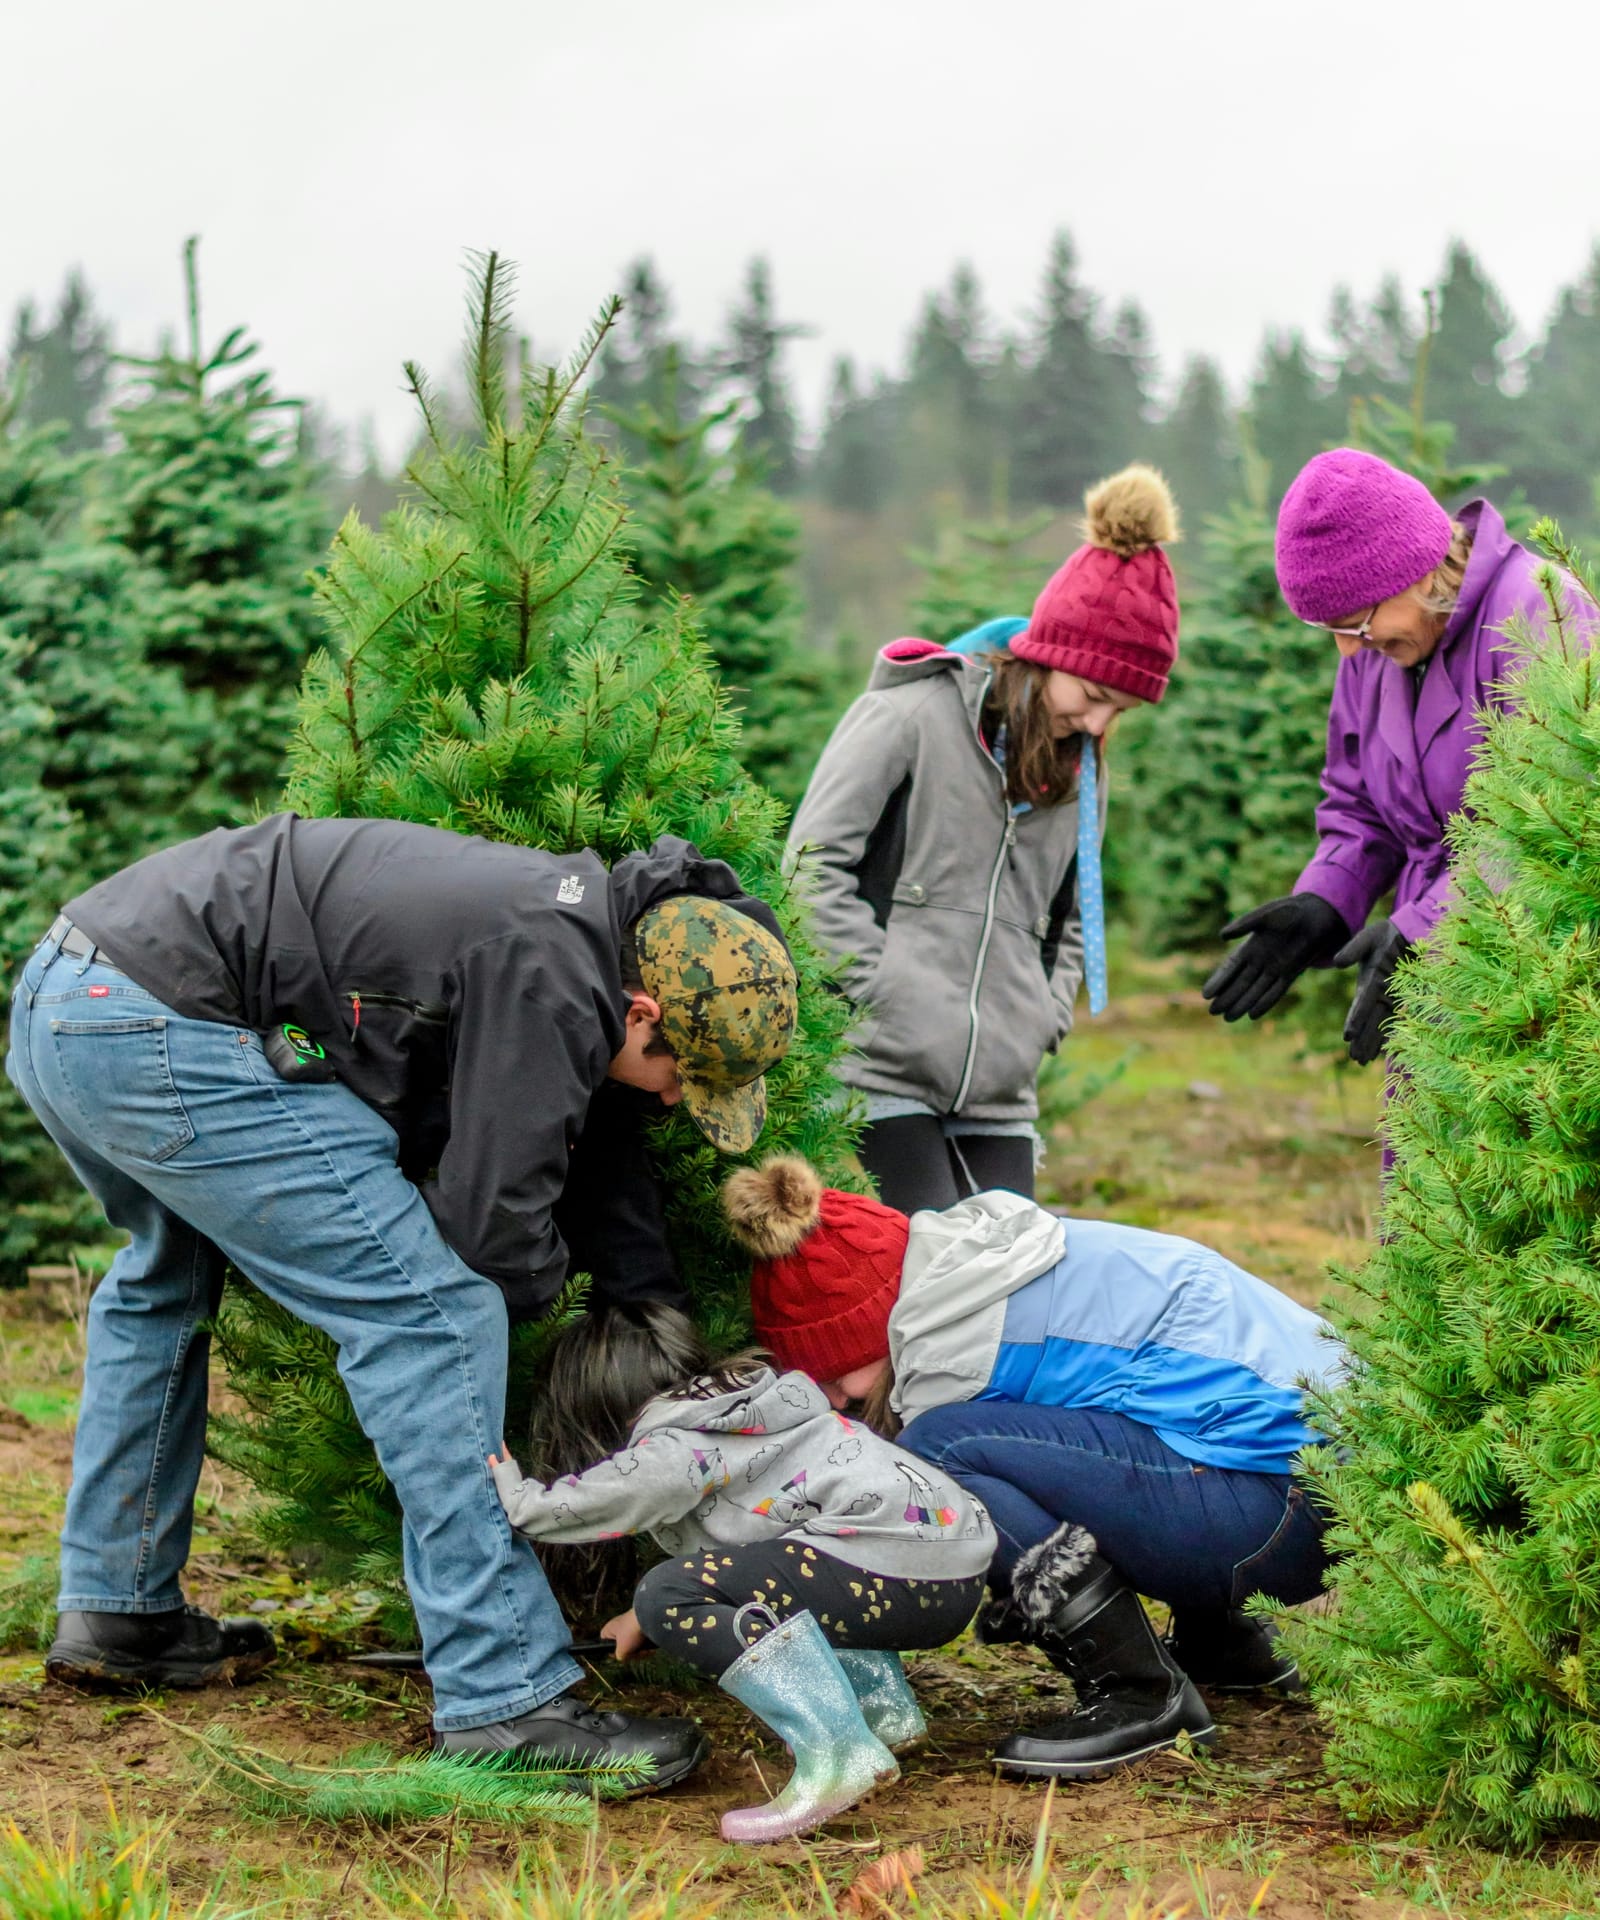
x: 28, y: 1606
x: 45, y: 1406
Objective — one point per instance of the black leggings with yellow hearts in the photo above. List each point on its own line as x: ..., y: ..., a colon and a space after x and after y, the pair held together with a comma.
x: 712, y: 1606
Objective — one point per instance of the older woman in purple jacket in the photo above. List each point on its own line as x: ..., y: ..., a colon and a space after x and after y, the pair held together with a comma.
x: 1419, y: 606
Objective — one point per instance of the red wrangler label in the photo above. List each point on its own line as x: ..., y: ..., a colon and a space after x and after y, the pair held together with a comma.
x: 98, y: 993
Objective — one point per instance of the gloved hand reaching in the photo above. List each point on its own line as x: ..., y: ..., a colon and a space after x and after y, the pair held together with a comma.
x: 1286, y: 936
x: 1376, y: 950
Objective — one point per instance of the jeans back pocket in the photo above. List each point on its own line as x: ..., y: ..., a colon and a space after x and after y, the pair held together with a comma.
x: 119, y: 1078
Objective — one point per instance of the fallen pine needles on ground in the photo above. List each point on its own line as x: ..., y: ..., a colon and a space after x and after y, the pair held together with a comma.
x: 373, y: 1787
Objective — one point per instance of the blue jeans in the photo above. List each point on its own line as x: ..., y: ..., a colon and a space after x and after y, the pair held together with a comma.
x: 1193, y: 1536
x: 196, y: 1148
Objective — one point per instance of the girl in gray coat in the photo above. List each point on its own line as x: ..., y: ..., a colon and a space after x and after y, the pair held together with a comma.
x: 951, y: 834
x: 804, y: 1553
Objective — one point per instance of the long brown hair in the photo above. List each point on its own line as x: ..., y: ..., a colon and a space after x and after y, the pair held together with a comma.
x: 1041, y: 771
x: 875, y: 1410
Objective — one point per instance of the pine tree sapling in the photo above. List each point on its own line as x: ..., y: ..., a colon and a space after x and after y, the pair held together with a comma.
x: 702, y: 527
x: 486, y: 671
x: 209, y: 496
x: 979, y: 571
x: 1459, y: 1669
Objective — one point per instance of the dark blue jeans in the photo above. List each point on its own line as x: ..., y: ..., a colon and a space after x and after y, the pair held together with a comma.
x: 1192, y: 1536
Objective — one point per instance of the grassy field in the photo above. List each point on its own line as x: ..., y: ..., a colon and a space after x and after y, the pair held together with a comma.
x: 1234, y: 1137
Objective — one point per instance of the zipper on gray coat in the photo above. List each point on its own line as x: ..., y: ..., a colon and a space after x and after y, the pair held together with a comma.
x: 1007, y: 841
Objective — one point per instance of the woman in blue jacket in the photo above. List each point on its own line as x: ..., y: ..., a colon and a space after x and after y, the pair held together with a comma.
x: 1126, y: 1404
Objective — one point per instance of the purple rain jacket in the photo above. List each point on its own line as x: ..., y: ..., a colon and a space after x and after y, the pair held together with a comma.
x: 1399, y: 756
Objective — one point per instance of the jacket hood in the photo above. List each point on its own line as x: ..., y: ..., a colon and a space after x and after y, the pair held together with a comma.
x: 961, y: 1267
x: 904, y: 662
x: 772, y: 1403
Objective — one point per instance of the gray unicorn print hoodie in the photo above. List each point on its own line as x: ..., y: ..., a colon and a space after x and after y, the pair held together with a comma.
x: 769, y: 1461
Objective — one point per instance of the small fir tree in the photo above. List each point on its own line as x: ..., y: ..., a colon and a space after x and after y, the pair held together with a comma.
x: 486, y: 671
x: 705, y: 530
x: 1460, y: 1667
x: 43, y: 843
x: 978, y: 571
x: 752, y: 364
x: 208, y: 497
x: 66, y: 366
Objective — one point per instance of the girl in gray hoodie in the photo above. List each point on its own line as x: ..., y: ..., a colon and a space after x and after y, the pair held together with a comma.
x: 804, y: 1554
x: 950, y: 842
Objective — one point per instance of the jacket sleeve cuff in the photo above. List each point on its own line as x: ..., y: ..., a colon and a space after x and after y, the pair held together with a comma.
x: 1418, y: 918
x: 1350, y: 896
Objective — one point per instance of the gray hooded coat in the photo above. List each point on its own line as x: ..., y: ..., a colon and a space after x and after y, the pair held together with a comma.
x: 768, y: 1462
x: 957, y: 917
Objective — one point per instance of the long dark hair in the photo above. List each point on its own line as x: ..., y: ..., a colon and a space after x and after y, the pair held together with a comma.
x: 1041, y: 770
x: 606, y: 1365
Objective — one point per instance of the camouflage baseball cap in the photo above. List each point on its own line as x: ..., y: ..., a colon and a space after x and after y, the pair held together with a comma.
x: 726, y: 987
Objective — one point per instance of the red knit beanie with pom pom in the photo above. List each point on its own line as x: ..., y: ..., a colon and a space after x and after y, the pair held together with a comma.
x: 1110, y: 615
x: 827, y: 1266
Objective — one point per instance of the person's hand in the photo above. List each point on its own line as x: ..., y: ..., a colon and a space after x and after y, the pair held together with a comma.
x: 628, y: 1634
x: 1376, y: 951
x: 1286, y: 936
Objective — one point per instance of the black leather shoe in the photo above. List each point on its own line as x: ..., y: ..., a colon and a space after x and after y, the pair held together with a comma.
x: 136, y: 1652
x: 567, y: 1731
x: 1231, y: 1652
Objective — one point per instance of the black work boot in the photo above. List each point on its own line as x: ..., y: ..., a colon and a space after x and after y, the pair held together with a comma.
x: 567, y: 1731
x: 1132, y: 1699
x: 1230, y: 1652
x: 135, y: 1652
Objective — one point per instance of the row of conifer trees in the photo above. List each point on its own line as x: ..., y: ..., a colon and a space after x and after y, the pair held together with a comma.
x: 489, y: 660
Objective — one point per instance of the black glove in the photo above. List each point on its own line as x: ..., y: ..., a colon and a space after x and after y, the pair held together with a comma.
x: 1286, y: 936
x: 1376, y: 950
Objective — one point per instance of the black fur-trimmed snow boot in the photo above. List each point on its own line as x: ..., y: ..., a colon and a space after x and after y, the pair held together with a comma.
x: 1133, y: 1700
x: 1229, y: 1651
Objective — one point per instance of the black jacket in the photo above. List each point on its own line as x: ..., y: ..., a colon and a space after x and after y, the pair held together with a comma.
x: 467, y: 990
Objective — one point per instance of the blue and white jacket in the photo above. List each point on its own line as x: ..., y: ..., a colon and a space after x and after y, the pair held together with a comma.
x: 1000, y: 1300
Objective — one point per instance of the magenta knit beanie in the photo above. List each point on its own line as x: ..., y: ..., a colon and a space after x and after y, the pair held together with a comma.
x: 1353, y: 531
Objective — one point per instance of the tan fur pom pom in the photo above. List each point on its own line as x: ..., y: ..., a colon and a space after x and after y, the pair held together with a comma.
x: 771, y: 1208
x: 1131, y: 511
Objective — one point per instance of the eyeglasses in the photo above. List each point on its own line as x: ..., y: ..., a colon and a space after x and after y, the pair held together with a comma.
x: 1361, y: 635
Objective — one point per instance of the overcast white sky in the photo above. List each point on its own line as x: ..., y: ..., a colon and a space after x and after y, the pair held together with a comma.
x: 1225, y: 162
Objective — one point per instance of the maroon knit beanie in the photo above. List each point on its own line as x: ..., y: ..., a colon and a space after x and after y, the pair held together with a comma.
x: 827, y: 1268
x: 1110, y: 615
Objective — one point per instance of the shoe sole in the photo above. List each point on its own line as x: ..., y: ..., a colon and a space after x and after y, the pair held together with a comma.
x: 1286, y: 1681
x: 96, y: 1674
x: 879, y: 1786
x: 1095, y: 1769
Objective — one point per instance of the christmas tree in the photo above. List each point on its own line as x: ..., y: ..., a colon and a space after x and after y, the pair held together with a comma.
x: 209, y: 499
x: 45, y: 1207
x: 486, y: 670
x: 66, y: 364
x: 980, y: 570
x: 702, y: 527
x: 1459, y: 1669
x: 1221, y: 778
